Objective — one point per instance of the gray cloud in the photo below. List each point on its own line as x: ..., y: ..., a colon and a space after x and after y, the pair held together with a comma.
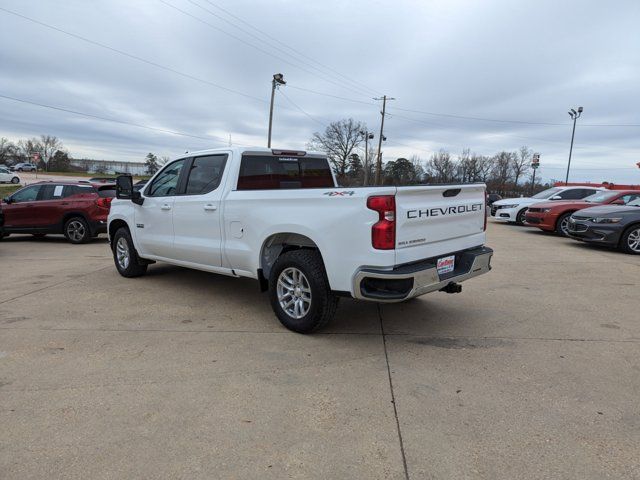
x: 496, y: 59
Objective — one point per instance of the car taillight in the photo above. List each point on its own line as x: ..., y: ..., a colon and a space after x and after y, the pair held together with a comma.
x: 104, y: 202
x: 383, y: 232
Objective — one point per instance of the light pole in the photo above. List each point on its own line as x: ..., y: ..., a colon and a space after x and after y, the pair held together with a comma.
x: 574, y: 116
x: 278, y: 79
x: 367, y: 136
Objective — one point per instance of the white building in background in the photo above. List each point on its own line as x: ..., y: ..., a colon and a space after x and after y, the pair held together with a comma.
x: 109, y: 166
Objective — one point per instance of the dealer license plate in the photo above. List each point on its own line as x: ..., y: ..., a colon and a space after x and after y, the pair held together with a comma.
x: 446, y: 264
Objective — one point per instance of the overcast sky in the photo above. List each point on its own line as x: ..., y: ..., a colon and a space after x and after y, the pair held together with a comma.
x: 492, y: 59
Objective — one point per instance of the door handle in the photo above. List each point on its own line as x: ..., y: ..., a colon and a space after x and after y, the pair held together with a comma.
x: 166, y: 206
x: 210, y: 207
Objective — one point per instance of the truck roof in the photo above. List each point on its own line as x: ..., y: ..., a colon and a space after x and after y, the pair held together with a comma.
x: 241, y: 150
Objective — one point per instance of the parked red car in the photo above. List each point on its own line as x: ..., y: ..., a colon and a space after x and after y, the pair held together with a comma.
x: 554, y: 216
x: 78, y: 210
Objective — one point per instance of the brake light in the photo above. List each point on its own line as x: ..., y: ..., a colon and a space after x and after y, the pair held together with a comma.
x: 104, y: 202
x: 383, y: 232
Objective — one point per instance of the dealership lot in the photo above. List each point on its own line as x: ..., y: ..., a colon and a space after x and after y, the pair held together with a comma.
x: 532, y: 372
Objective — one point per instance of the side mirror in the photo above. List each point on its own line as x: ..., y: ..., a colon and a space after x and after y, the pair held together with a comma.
x: 125, y: 191
x: 7, y: 200
x: 556, y: 197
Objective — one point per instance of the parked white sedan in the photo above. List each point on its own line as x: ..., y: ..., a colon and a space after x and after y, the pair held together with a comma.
x: 7, y: 176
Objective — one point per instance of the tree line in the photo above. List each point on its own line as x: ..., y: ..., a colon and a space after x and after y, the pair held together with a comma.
x: 49, y: 150
x: 343, y: 142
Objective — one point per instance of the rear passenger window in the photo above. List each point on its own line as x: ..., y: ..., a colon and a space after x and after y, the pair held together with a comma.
x: 52, y: 192
x: 264, y: 172
x: 205, y: 174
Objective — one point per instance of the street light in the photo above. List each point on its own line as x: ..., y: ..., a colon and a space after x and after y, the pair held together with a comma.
x: 574, y: 116
x: 278, y: 79
x: 367, y: 136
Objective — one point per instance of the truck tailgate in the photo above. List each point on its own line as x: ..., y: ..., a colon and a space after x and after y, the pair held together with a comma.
x: 439, y: 219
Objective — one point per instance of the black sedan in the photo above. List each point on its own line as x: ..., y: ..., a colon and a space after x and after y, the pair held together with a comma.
x: 612, y: 225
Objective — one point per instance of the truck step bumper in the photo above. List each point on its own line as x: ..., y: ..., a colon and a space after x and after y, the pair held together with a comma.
x: 417, y: 278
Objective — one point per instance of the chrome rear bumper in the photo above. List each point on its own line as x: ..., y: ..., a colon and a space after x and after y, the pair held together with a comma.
x: 417, y: 278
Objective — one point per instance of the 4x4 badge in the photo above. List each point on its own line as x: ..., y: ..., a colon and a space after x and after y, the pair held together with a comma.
x: 340, y: 194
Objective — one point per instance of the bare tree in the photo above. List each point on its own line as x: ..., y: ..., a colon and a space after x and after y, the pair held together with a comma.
x: 441, y: 168
x: 520, y: 162
x: 48, y: 146
x: 7, y: 150
x: 338, y: 141
x: 502, y: 171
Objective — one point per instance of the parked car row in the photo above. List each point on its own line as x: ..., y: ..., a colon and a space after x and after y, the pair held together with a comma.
x: 77, y: 210
x: 590, y: 214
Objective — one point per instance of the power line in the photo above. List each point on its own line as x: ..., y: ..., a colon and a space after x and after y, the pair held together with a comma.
x: 301, y: 54
x: 301, y: 109
x: 115, y: 120
x: 239, y: 39
x: 450, y: 115
x: 134, y: 57
x: 332, y: 96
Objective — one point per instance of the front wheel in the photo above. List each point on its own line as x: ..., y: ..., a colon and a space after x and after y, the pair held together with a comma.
x: 562, y: 225
x: 125, y: 255
x: 299, y: 291
x: 520, y: 216
x: 15, y: 180
x: 630, y: 241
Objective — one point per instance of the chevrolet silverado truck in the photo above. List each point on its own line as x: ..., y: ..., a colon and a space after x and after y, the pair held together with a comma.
x: 278, y: 216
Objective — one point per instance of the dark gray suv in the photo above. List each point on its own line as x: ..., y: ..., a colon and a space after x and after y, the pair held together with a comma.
x: 612, y: 225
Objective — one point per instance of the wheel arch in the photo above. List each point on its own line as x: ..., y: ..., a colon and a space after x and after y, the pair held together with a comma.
x: 634, y: 224
x: 275, y: 245
x: 562, y: 214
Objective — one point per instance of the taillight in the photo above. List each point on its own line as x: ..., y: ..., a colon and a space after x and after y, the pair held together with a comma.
x: 383, y: 232
x: 104, y: 202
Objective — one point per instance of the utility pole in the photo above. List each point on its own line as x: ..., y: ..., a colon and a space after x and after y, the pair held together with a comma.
x: 574, y: 116
x: 379, y: 157
x: 367, y: 136
x: 278, y: 79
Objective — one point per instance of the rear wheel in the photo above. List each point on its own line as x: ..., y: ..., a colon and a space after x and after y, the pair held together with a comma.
x: 299, y: 291
x: 125, y: 255
x: 630, y: 241
x: 76, y: 230
x: 562, y: 225
x: 520, y: 216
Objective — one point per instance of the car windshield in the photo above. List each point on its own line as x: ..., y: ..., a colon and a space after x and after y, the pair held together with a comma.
x: 600, y: 197
x: 550, y: 192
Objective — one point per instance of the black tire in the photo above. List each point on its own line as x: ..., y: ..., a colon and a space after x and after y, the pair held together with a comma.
x: 15, y: 180
x: 562, y: 223
x: 322, y: 302
x: 76, y: 230
x: 520, y: 216
x: 134, y: 267
x: 627, y: 244
x: 19, y: 169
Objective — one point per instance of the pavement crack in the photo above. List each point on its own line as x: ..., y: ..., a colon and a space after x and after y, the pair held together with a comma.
x: 393, y: 396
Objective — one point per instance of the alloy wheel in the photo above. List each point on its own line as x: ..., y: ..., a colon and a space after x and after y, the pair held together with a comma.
x: 122, y: 253
x: 76, y: 230
x: 633, y: 240
x: 564, y: 226
x: 294, y: 292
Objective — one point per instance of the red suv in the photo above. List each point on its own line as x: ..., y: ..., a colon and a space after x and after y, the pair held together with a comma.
x: 78, y: 210
x: 554, y: 216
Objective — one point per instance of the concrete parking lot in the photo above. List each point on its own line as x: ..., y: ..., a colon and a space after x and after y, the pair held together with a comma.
x: 533, y: 371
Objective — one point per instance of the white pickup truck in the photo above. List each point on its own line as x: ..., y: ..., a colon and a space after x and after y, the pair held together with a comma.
x: 278, y: 216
